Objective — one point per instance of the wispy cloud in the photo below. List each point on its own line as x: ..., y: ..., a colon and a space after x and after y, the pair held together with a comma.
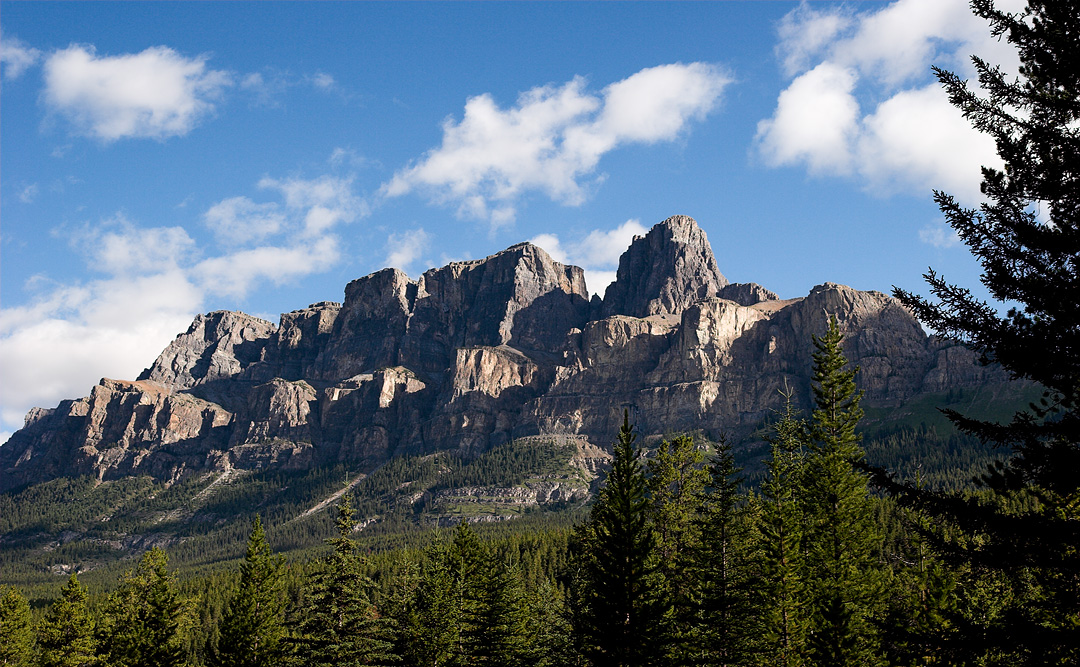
x: 553, y: 138
x: 157, y: 93
x: 16, y: 56
x: 939, y: 235
x: 405, y: 248
x: 908, y: 138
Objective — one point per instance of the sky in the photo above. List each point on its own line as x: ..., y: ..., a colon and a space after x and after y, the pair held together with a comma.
x: 158, y: 160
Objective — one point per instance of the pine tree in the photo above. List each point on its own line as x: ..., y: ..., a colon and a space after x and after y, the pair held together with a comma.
x: 677, y: 479
x: 146, y: 619
x: 841, y: 536
x: 625, y: 605
x: 66, y: 635
x: 340, y: 625
x: 16, y: 630
x: 253, y: 625
x: 718, y: 567
x: 501, y: 628
x: 431, y: 626
x: 781, y: 602
x: 1026, y: 236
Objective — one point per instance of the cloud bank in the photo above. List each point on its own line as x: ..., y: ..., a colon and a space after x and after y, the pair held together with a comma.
x: 151, y: 282
x: 553, y: 138
x: 862, y: 102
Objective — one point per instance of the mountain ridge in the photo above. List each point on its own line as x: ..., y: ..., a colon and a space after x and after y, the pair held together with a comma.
x: 476, y: 353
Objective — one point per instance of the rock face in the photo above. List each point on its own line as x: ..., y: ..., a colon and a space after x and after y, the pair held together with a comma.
x: 475, y: 353
x: 664, y: 271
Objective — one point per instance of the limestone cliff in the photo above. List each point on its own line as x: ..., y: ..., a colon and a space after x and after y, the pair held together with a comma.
x: 475, y: 353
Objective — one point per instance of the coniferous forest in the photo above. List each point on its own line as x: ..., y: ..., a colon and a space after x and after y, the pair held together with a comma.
x: 818, y: 558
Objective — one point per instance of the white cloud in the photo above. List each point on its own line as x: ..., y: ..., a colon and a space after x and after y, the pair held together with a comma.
x: 862, y: 101
x: 323, y: 81
x: 939, y: 235
x: 238, y: 273
x: 553, y: 138
x: 119, y: 248
x: 157, y: 93
x: 62, y: 344
x: 156, y: 279
x: 597, y: 253
x: 327, y: 200
x: 815, y: 122
x: 239, y: 220
x: 16, y: 56
x: 406, y: 247
x: 29, y: 193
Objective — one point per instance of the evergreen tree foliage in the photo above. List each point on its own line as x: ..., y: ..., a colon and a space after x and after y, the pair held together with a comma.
x: 341, y: 626
x: 253, y: 625
x: 1026, y: 236
x: 431, y: 626
x: 16, y: 630
x: 501, y: 634
x: 65, y: 636
x: 146, y: 619
x: 719, y: 568
x: 625, y: 605
x: 781, y: 618
x: 841, y: 537
x: 677, y: 481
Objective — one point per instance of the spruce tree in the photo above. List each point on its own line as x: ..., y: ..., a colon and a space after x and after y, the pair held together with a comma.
x: 146, y: 619
x: 677, y: 480
x: 718, y: 567
x: 431, y: 623
x: 625, y: 605
x: 841, y: 535
x: 253, y: 625
x: 1026, y: 236
x: 340, y: 625
x: 781, y: 611
x: 16, y: 630
x: 65, y: 636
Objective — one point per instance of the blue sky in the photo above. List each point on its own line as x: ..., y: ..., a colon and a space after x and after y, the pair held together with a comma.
x: 163, y: 159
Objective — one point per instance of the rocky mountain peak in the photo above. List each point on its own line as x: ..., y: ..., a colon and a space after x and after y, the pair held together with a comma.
x: 663, y: 272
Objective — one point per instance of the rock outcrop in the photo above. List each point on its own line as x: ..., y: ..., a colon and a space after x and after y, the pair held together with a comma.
x: 475, y: 353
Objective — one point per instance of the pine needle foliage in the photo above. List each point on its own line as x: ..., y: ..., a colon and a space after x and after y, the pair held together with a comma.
x: 254, y: 623
x: 16, y: 629
x: 340, y: 626
x: 1026, y: 237
x: 65, y: 637
x: 841, y: 538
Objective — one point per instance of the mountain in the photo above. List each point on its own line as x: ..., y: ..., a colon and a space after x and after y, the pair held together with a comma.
x: 476, y: 354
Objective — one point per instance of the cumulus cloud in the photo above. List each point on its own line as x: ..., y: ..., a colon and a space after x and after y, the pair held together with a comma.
x: 406, y: 247
x: 157, y: 93
x: 154, y: 280
x: 327, y: 200
x: 597, y: 253
x: 73, y: 335
x: 16, y: 56
x: 240, y: 272
x: 239, y: 220
x: 862, y: 101
x: 553, y: 138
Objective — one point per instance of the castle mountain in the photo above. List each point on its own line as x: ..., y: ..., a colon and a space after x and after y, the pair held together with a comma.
x: 476, y: 353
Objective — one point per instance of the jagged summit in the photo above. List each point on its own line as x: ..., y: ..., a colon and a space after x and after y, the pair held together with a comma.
x: 665, y: 271
x: 474, y: 353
